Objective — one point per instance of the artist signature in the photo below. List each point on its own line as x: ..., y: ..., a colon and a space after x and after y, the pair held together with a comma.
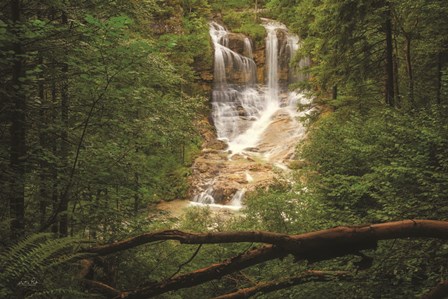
x: 32, y: 282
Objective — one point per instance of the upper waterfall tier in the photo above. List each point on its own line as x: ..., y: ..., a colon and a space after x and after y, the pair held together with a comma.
x: 229, y: 63
x: 242, y: 111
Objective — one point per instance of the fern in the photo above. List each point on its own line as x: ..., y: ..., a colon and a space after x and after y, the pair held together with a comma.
x: 59, y: 293
x: 37, y: 267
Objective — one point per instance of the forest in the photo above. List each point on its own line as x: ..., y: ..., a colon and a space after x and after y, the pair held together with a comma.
x: 109, y: 109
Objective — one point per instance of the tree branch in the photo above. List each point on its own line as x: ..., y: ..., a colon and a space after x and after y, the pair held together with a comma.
x: 314, y: 246
x: 267, y: 287
x: 364, y: 237
x: 189, y: 238
x: 187, y: 262
x: 101, y: 288
x: 247, y: 259
x: 440, y: 291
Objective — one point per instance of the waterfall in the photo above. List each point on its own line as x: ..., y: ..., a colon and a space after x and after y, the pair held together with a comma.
x: 243, y: 110
x: 206, y: 196
x: 272, y: 61
x: 248, y: 48
x: 237, y: 199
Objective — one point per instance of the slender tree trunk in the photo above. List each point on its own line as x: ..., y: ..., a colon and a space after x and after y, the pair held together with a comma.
x: 136, y: 193
x: 396, y: 72
x: 409, y: 69
x: 390, y: 96
x: 256, y: 10
x: 63, y: 223
x: 439, y: 77
x: 335, y: 92
x: 55, y: 193
x: 18, y: 129
x: 54, y: 169
x: 43, y: 163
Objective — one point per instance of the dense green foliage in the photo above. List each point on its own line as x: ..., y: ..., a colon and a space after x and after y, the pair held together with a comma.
x: 379, y: 151
x: 98, y: 119
x: 347, y: 41
x: 384, y: 164
x: 104, y: 121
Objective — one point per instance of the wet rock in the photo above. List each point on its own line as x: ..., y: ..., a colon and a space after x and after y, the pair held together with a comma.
x: 236, y: 42
x: 260, y: 60
x: 250, y: 159
x: 218, y: 195
x: 241, y: 111
x: 217, y: 145
x: 285, y: 54
x: 202, y: 168
x: 252, y: 149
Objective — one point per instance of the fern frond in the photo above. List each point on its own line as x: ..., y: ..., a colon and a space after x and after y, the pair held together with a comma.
x: 36, y: 258
x: 32, y: 258
x: 15, y: 251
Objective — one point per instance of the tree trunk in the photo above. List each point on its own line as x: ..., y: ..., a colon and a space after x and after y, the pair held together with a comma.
x: 43, y: 163
x: 390, y: 95
x: 63, y: 222
x: 335, y: 92
x: 256, y: 10
x: 396, y: 72
x: 439, y: 77
x: 18, y: 129
x: 409, y: 69
x: 54, y: 168
x: 438, y: 292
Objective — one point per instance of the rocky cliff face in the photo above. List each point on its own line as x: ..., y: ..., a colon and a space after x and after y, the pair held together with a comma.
x: 260, y: 60
x: 284, y: 57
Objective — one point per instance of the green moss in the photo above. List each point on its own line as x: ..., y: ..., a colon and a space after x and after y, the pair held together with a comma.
x: 219, y: 5
x: 245, y: 22
x: 255, y: 31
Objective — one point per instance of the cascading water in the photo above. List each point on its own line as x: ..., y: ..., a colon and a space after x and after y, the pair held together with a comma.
x: 272, y: 63
x: 243, y: 111
x: 237, y: 199
x: 228, y: 98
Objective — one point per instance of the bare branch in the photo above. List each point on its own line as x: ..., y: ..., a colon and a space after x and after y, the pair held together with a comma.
x: 187, y: 262
x: 250, y: 258
x: 267, y: 287
x: 440, y: 291
x: 101, y: 288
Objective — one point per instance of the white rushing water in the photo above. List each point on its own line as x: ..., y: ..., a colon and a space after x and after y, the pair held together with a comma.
x: 244, y: 110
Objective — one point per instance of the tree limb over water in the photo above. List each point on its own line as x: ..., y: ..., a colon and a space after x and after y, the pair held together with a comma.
x: 314, y: 246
